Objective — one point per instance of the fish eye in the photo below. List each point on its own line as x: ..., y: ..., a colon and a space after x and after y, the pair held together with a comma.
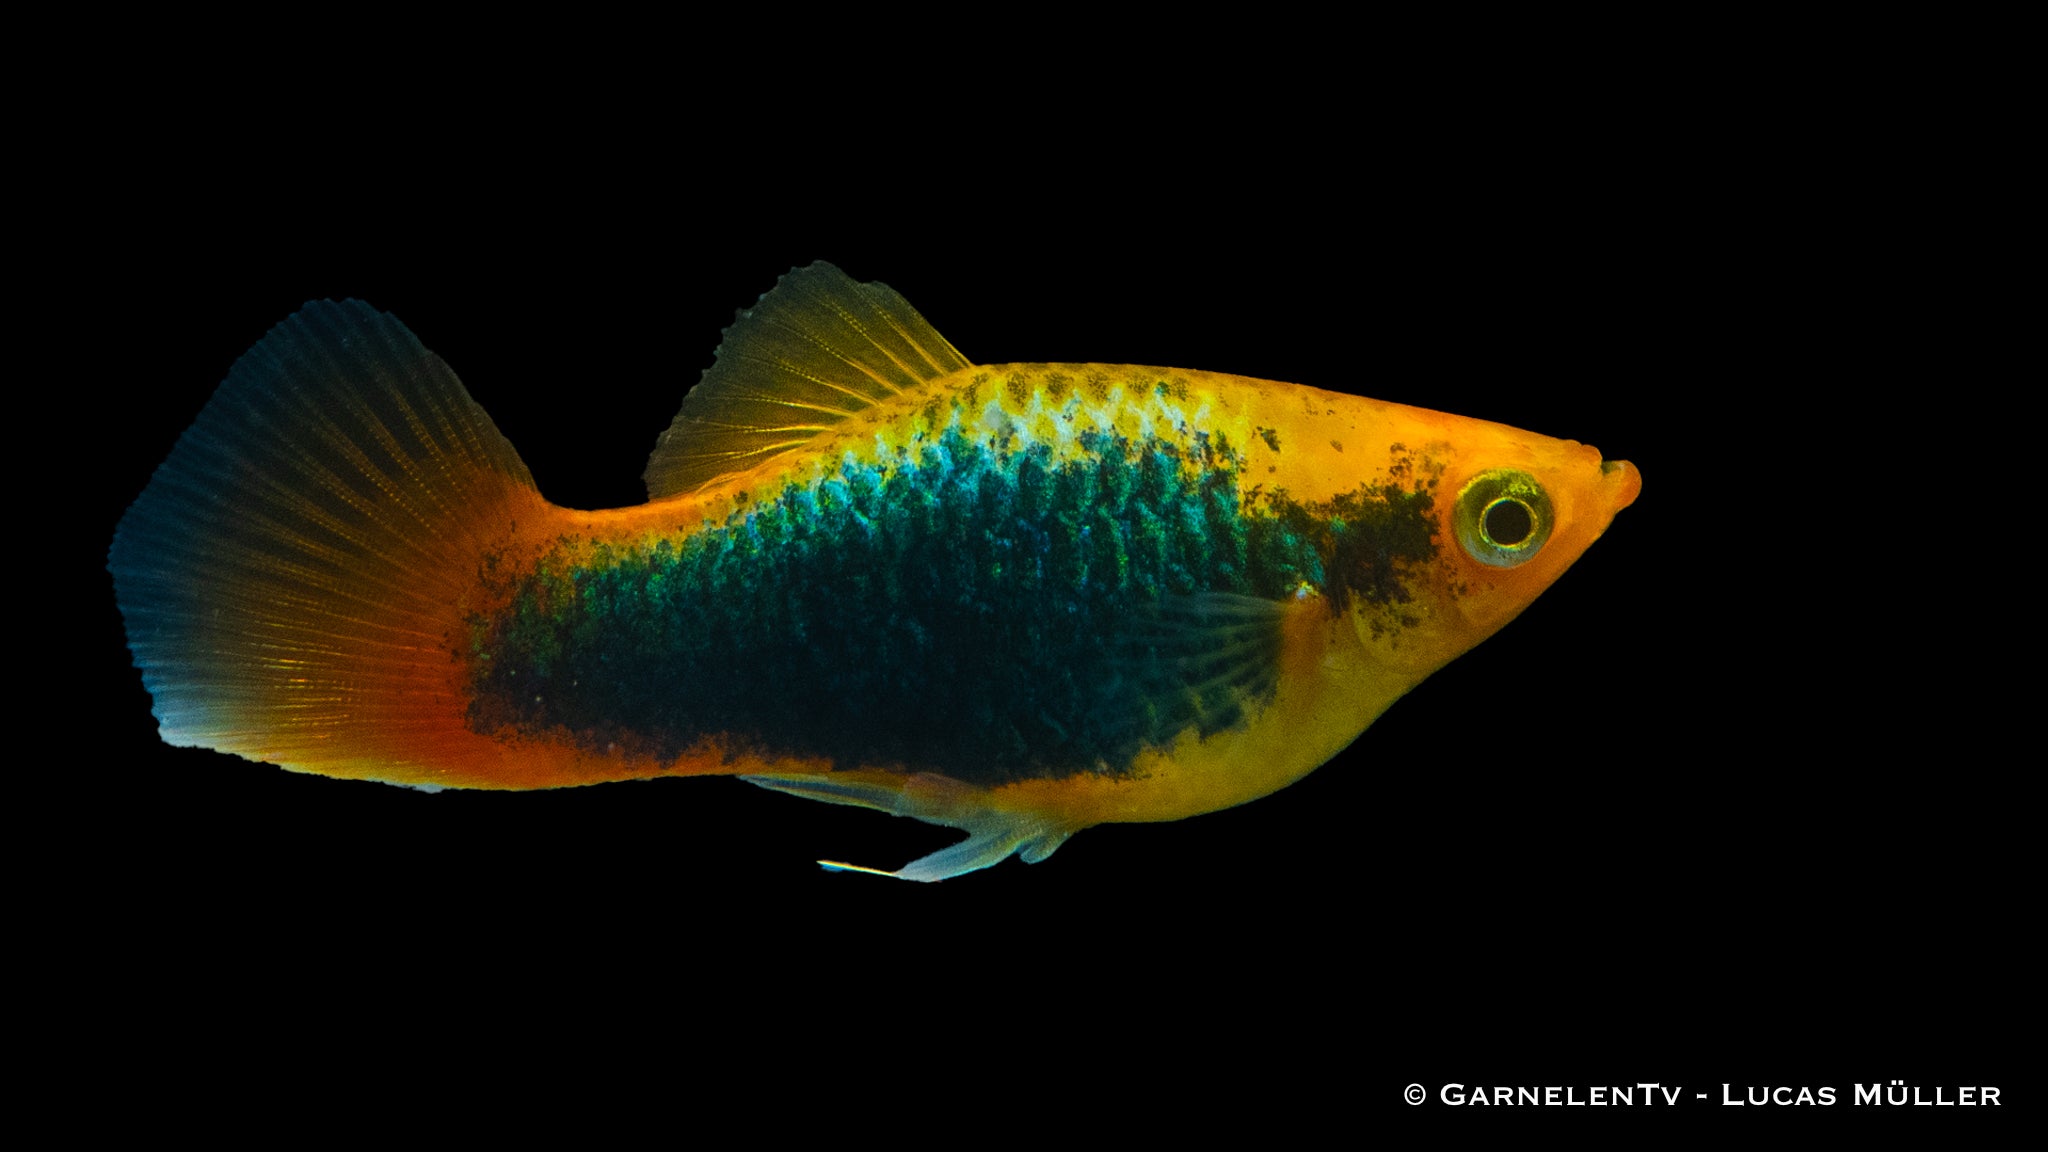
x: 1503, y: 517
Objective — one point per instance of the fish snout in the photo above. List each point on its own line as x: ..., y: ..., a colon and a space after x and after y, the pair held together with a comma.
x: 1621, y: 481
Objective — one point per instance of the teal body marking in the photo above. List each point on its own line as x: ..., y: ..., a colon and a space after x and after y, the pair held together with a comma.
x: 995, y: 613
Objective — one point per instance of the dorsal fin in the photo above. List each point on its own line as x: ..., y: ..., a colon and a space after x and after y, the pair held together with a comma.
x: 816, y: 349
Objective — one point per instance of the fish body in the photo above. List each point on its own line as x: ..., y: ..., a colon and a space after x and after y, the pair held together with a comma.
x: 1018, y: 599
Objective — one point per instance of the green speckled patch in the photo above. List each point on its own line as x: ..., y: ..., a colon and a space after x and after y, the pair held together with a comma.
x: 992, y: 613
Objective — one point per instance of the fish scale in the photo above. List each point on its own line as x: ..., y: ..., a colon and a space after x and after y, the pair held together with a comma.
x: 737, y: 619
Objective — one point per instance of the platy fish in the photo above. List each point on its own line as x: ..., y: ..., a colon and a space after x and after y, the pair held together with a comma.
x: 1018, y: 599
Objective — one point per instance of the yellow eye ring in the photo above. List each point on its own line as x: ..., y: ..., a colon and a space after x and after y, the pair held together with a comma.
x: 1503, y: 517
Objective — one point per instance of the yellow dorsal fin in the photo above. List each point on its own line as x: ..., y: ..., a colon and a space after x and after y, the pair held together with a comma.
x: 815, y: 350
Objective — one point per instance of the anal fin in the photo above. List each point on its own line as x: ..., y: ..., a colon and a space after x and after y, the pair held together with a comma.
x: 994, y: 834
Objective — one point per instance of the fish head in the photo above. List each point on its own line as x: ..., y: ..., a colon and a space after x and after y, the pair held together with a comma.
x: 1507, y: 512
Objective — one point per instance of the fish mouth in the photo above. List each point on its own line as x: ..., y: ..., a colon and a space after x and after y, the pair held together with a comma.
x: 1622, y: 481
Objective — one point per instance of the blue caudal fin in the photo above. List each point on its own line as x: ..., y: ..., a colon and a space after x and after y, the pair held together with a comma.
x: 286, y: 577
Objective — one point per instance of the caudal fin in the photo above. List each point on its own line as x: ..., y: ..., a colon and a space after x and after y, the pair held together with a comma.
x: 292, y: 578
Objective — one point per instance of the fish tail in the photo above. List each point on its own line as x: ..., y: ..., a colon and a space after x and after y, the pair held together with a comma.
x: 296, y: 576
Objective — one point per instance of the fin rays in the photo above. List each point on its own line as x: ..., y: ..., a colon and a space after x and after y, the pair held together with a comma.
x: 818, y: 343
x: 994, y: 834
x: 287, y: 576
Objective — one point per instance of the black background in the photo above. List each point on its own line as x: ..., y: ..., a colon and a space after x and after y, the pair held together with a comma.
x: 1726, y: 803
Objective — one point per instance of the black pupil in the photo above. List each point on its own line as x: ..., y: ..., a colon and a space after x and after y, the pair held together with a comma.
x: 1508, y: 523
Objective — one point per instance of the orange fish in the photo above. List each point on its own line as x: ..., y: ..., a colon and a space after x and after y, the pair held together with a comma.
x: 1018, y: 600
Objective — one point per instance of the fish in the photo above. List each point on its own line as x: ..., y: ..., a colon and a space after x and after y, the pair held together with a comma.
x: 1017, y: 600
